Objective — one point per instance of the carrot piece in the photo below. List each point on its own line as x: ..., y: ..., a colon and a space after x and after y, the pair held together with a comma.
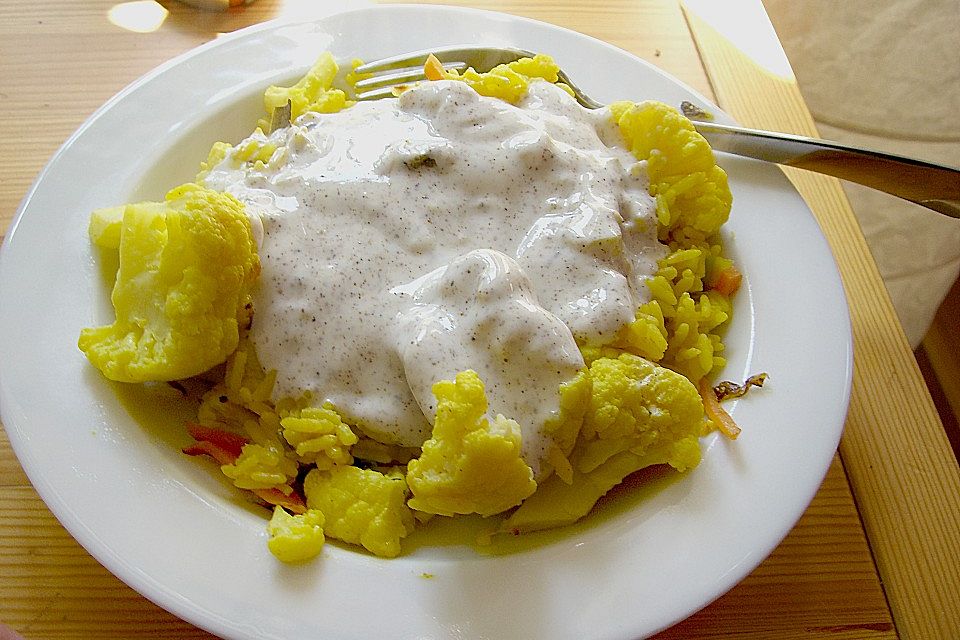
x: 225, y: 447
x: 292, y: 502
x: 205, y: 447
x: 223, y: 439
x: 433, y: 68
x: 718, y: 416
x: 727, y: 281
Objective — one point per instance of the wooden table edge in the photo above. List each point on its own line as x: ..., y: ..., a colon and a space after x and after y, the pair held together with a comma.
x: 904, y: 478
x: 733, y: 109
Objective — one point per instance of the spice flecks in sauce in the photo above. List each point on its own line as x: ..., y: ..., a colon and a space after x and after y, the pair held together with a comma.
x: 406, y: 240
x: 480, y: 312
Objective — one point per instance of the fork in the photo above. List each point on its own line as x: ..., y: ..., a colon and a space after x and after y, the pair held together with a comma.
x: 933, y: 186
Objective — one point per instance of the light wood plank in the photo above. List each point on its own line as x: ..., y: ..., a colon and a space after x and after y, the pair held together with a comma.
x: 788, y: 596
x: 646, y: 29
x: 820, y: 583
x: 904, y: 478
x: 11, y: 473
x: 58, y: 51
x: 43, y: 53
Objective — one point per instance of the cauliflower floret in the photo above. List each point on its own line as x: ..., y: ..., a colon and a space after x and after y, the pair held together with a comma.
x: 664, y: 137
x: 261, y: 467
x: 312, y: 92
x: 510, y: 81
x: 691, y: 190
x: 295, y: 538
x: 640, y: 414
x: 636, y: 405
x: 106, y: 224
x: 186, y: 269
x: 468, y: 465
x: 646, y: 336
x: 565, y: 426
x: 557, y: 503
x: 319, y: 435
x: 361, y: 506
x: 539, y: 66
x: 218, y: 153
x: 574, y: 400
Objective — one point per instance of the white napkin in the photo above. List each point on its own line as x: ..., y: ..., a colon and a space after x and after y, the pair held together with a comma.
x: 887, y: 76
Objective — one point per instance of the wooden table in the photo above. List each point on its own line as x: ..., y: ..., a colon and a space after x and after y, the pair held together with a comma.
x: 877, y: 554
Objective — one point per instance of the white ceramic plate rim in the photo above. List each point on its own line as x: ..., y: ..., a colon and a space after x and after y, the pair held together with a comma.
x: 170, y: 530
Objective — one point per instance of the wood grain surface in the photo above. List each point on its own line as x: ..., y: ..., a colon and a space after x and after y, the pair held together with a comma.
x: 895, y: 452
x: 59, y: 61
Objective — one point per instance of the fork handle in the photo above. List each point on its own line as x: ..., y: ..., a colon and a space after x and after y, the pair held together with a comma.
x: 933, y: 186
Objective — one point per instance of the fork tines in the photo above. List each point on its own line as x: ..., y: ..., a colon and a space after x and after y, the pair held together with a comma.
x: 381, y: 85
x: 408, y: 67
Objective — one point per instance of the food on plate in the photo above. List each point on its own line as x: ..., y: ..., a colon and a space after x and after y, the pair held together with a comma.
x: 713, y: 396
x: 728, y: 389
x: 476, y: 298
x: 295, y: 538
x: 186, y: 269
x: 639, y: 414
x: 469, y: 465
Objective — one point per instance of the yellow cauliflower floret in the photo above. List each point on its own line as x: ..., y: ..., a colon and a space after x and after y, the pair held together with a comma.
x: 295, y: 538
x: 258, y: 151
x: 565, y: 426
x: 468, y: 465
x: 500, y: 82
x: 361, y: 506
x: 186, y: 269
x: 664, y: 137
x: 700, y: 201
x: 218, y: 152
x: 312, y: 92
x: 539, y: 66
x: 640, y: 414
x: 691, y: 190
x: 557, y: 503
x: 509, y: 82
x: 106, y: 224
x: 636, y: 405
x: 574, y: 399
x: 319, y: 435
x: 261, y: 467
x: 645, y: 336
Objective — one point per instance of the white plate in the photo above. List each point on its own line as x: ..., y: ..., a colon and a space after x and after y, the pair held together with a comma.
x: 173, y: 531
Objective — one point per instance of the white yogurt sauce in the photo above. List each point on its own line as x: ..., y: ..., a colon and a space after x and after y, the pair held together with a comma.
x: 406, y: 240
